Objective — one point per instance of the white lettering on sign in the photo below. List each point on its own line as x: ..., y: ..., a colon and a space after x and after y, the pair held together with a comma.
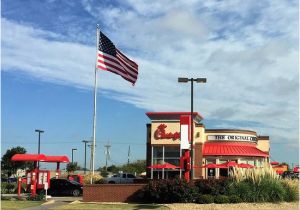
x: 231, y: 138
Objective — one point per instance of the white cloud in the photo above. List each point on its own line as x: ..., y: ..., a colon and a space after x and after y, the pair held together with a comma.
x: 247, y: 52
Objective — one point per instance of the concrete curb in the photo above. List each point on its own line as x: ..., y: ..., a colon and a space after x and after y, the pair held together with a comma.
x: 48, y: 202
x: 75, y: 202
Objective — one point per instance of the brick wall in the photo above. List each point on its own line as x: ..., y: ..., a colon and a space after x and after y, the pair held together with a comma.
x: 111, y: 192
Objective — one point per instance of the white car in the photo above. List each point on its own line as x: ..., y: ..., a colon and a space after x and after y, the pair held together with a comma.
x: 121, y: 178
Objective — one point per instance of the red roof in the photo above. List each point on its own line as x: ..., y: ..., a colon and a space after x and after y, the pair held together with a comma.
x: 60, y: 159
x: 172, y: 115
x: 232, y: 148
x: 28, y: 157
x: 40, y: 157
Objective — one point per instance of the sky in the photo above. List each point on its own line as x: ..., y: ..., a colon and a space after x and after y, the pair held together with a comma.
x: 247, y: 50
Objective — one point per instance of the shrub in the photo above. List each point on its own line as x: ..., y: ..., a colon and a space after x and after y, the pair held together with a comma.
x: 37, y: 197
x: 8, y: 187
x: 291, y: 189
x: 104, y: 173
x: 269, y: 190
x: 212, y: 186
x: 221, y: 199
x: 243, y: 189
x: 100, y: 181
x: 169, y: 191
x: 204, y: 199
x: 87, y: 178
x: 234, y: 199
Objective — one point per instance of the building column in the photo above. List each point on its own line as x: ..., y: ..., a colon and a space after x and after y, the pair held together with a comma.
x: 151, y: 162
x: 217, y: 170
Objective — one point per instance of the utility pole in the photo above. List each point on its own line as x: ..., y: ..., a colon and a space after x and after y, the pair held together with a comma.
x: 107, y: 154
x: 128, y: 154
x: 39, y: 144
x: 85, y: 142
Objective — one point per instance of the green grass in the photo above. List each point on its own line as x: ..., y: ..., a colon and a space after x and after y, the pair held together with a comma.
x: 83, y: 206
x: 11, y: 205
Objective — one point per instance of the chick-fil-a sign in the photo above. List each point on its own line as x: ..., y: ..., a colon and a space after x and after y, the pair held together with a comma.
x: 160, y: 133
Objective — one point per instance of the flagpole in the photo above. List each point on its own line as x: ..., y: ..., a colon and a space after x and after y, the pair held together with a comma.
x: 95, y: 109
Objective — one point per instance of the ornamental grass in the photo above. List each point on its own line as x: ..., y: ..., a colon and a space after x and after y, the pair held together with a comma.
x: 254, y: 175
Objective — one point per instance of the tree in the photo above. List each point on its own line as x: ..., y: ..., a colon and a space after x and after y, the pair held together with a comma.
x: 136, y: 167
x: 11, y: 167
x: 71, y: 167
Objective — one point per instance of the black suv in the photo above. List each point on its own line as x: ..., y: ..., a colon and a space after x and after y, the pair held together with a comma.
x: 64, y: 187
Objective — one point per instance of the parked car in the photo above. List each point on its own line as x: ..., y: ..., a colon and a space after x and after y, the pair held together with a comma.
x: 64, y: 187
x: 121, y: 178
x: 290, y: 175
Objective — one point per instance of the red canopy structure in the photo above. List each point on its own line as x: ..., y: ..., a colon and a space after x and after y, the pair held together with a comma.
x: 274, y: 163
x: 245, y: 165
x: 210, y: 165
x: 28, y: 157
x: 165, y: 166
x: 228, y: 164
x: 57, y: 159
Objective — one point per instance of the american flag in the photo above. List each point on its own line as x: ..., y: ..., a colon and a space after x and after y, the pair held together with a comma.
x: 111, y: 59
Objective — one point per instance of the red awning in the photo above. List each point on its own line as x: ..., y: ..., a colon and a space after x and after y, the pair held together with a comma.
x: 165, y: 165
x: 57, y: 159
x: 232, y: 149
x: 28, y: 157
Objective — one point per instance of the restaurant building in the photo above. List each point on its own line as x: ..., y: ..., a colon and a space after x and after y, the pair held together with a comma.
x: 210, y: 146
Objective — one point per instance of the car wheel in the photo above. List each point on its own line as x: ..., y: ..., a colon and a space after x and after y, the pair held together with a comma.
x: 111, y: 182
x: 76, y: 193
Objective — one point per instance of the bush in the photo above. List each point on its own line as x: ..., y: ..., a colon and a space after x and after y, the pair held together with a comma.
x: 100, y: 181
x: 291, y: 190
x: 221, y: 199
x: 87, y: 178
x: 243, y: 190
x: 8, y: 188
x: 37, y: 197
x: 169, y: 191
x: 104, y: 173
x: 269, y: 190
x: 212, y: 186
x: 204, y: 199
x: 234, y: 199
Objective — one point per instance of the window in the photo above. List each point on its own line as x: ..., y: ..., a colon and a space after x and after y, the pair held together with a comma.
x: 130, y: 176
x: 166, y: 154
x: 124, y: 176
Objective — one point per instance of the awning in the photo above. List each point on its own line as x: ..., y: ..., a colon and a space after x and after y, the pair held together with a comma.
x: 232, y: 149
x: 57, y: 159
x: 40, y: 157
x: 28, y: 157
x: 165, y: 165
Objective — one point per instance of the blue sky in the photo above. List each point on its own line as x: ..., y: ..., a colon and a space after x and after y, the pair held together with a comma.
x: 248, y: 51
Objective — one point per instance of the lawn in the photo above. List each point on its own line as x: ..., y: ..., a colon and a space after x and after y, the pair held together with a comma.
x: 11, y: 205
x: 83, y: 206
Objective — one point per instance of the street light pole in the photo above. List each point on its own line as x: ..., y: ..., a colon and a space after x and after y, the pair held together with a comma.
x: 85, y: 142
x: 72, y: 153
x: 39, y: 144
x: 198, y: 80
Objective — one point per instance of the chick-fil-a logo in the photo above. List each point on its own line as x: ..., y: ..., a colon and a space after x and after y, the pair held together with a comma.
x: 160, y: 133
